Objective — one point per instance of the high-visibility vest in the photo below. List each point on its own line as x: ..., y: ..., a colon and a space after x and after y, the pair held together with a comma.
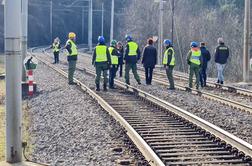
x: 56, y: 47
x: 114, y: 58
x: 165, y: 59
x: 73, y: 48
x: 195, y: 57
x: 101, y: 53
x: 132, y: 48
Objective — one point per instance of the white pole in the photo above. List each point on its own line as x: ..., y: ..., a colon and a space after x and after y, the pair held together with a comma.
x: 24, y: 34
x: 246, y: 56
x: 13, y: 67
x: 102, y: 23
x: 90, y: 26
x: 112, y: 20
x: 160, y: 46
x: 51, y: 20
x: 82, y: 24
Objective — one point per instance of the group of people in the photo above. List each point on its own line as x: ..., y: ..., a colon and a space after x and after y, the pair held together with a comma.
x: 111, y: 59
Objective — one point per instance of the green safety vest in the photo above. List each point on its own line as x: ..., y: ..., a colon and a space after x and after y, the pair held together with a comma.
x: 101, y: 53
x: 73, y: 48
x: 114, y: 58
x: 55, y: 47
x: 195, y: 57
x: 132, y: 48
x: 165, y: 59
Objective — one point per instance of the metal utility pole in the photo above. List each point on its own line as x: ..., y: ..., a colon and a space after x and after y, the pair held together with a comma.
x: 13, y: 60
x: 51, y: 20
x: 82, y: 24
x: 90, y: 25
x: 24, y: 35
x: 246, y: 56
x: 112, y: 20
x: 172, y: 39
x: 160, y: 45
x: 102, y: 23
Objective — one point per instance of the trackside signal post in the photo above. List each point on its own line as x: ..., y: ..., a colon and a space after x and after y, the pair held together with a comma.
x: 13, y: 63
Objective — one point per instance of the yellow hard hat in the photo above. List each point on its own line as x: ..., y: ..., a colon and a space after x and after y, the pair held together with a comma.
x: 71, y: 35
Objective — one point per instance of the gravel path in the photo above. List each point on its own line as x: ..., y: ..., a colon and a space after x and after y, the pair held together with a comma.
x: 68, y: 128
x: 232, y: 120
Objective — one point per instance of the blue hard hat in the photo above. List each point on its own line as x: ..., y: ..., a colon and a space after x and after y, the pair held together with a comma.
x: 167, y: 42
x: 128, y: 37
x: 194, y: 44
x: 101, y: 39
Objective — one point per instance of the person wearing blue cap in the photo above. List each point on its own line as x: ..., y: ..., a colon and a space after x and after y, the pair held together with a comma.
x: 194, y: 60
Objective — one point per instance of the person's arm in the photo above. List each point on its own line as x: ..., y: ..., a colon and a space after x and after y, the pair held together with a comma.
x: 94, y: 57
x: 108, y: 57
x: 138, y: 54
x: 169, y: 58
x: 227, y: 52
x: 144, y: 52
x: 208, y: 56
x: 126, y: 52
x: 189, y: 54
x: 216, y: 53
x: 155, y: 55
x: 68, y: 47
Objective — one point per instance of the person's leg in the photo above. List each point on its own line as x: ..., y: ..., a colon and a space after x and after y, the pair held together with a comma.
x: 201, y: 77
x: 71, y: 70
x: 218, y: 72
x: 170, y: 77
x: 127, y: 70
x: 204, y: 75
x: 191, y: 76
x: 146, y: 75
x: 136, y: 76
x: 98, y: 71
x: 105, y: 76
x: 222, y: 73
x: 121, y: 70
x: 150, y: 76
x: 54, y: 54
x: 110, y: 77
x: 196, y: 70
x: 57, y: 57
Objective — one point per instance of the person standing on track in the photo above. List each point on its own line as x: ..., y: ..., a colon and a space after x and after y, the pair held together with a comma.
x: 221, y: 56
x: 114, y: 63
x: 120, y: 60
x: 194, y: 60
x: 132, y: 55
x: 169, y: 62
x: 56, y: 49
x: 101, y: 60
x: 149, y: 60
x: 72, y: 56
x: 205, y: 55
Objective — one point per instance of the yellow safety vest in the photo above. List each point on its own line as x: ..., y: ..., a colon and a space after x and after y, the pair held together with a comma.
x: 165, y: 59
x: 195, y: 57
x: 55, y: 47
x: 114, y: 58
x: 73, y: 48
x: 132, y: 48
x: 101, y: 53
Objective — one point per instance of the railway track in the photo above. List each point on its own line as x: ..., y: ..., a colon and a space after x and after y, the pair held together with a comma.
x: 166, y: 134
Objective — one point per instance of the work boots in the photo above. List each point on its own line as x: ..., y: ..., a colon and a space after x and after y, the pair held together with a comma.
x: 105, y: 87
x: 97, y: 87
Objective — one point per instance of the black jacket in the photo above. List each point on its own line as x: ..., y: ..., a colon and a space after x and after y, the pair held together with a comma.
x: 131, y: 59
x: 221, y: 54
x: 205, y: 55
x: 120, y: 59
x: 149, y: 56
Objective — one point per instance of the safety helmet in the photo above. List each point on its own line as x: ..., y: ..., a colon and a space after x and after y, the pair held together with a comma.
x: 128, y: 37
x: 167, y: 42
x: 113, y: 43
x: 71, y: 35
x: 101, y: 39
x: 194, y: 44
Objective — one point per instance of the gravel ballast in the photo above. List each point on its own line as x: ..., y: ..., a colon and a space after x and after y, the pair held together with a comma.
x: 232, y: 120
x: 69, y: 128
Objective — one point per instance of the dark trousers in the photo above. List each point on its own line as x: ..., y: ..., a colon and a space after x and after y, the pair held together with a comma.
x: 148, y: 75
x: 56, y: 57
x: 112, y: 75
x: 120, y: 69
x: 203, y: 76
x: 169, y: 73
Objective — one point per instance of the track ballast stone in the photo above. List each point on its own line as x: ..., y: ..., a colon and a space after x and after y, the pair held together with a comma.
x: 69, y: 128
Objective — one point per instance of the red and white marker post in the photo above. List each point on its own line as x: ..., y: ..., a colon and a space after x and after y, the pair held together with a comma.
x: 30, y: 82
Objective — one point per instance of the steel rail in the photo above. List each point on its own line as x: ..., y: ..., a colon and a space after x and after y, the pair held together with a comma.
x: 242, y: 146
x: 143, y: 147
